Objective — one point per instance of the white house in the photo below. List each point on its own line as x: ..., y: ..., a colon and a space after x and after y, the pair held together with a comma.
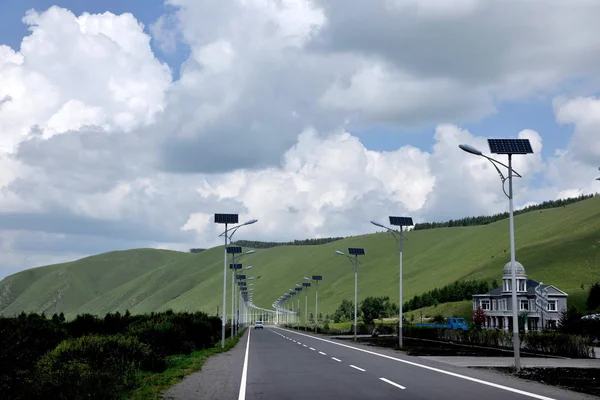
x: 497, y: 303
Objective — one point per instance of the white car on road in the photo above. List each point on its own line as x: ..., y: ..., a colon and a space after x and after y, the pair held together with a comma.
x: 258, y: 325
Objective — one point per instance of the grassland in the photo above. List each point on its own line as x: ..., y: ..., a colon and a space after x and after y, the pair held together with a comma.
x: 558, y: 246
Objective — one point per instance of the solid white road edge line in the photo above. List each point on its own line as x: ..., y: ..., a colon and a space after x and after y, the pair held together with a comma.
x: 392, y: 383
x: 336, y: 359
x: 242, y: 395
x: 358, y: 368
x: 441, y: 371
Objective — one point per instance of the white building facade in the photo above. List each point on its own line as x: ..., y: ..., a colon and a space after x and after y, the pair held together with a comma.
x: 497, y: 303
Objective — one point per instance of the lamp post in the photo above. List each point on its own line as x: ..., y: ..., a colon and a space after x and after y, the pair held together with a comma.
x: 227, y: 219
x: 298, y: 290
x: 355, y: 252
x: 598, y: 178
x: 316, y: 279
x: 508, y: 147
x: 399, y: 236
x: 306, y: 286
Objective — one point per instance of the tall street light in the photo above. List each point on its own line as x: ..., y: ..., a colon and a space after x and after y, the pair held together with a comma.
x: 508, y: 147
x: 227, y: 219
x: 298, y: 290
x: 399, y: 236
x: 354, y: 252
x: 235, y: 303
x: 306, y: 286
x: 316, y: 279
x: 598, y: 178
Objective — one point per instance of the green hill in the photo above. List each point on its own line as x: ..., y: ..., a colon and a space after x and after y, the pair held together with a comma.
x: 558, y: 246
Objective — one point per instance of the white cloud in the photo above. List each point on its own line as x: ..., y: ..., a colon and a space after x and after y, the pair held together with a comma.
x: 99, y: 149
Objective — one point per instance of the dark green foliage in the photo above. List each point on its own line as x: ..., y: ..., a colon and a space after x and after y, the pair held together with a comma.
x: 23, y: 340
x: 438, y: 319
x: 484, y: 220
x: 106, y: 352
x: 196, y: 250
x: 345, y: 312
x: 102, y: 366
x: 570, y: 321
x: 593, y: 300
x: 377, y: 307
x: 573, y: 346
x: 457, y: 291
x: 177, y: 333
x: 254, y: 244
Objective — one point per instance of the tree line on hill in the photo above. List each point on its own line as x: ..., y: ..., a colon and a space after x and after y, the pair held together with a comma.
x: 457, y: 291
x: 484, y: 220
x: 255, y: 244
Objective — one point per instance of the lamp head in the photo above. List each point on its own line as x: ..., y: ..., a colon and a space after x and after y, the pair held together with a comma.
x: 339, y: 252
x: 306, y: 278
x: 377, y: 224
x: 470, y: 149
x: 251, y: 252
x: 248, y: 267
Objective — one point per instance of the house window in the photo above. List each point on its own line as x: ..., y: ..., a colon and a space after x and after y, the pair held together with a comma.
x: 485, y: 304
x: 507, y: 285
x: 524, y: 305
x: 522, y: 285
x: 494, y: 305
x: 552, y: 305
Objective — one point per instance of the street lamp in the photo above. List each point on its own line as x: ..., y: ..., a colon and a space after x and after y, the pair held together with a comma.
x: 355, y: 252
x: 298, y: 290
x: 399, y: 236
x: 508, y: 147
x: 316, y: 279
x: 227, y: 219
x: 306, y: 286
x: 598, y: 178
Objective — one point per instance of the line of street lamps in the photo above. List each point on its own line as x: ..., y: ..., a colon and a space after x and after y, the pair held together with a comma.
x: 288, y: 314
x: 508, y: 147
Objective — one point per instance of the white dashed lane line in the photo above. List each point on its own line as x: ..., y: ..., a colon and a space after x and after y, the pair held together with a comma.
x: 336, y: 359
x: 358, y: 368
x: 392, y: 383
x: 324, y: 354
x: 312, y: 349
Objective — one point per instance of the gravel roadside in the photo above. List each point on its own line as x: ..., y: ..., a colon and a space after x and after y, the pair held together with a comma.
x: 219, y: 378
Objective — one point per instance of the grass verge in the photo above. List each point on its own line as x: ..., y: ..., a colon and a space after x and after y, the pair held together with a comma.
x: 152, y: 385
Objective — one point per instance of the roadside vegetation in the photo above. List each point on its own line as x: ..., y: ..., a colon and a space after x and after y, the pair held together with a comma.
x: 101, y: 358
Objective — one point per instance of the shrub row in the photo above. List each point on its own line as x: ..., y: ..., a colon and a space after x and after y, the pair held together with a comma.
x: 558, y: 344
x: 93, y: 357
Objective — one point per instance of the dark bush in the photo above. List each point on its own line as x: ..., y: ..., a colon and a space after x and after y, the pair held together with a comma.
x: 23, y: 340
x: 99, y: 367
x: 558, y: 344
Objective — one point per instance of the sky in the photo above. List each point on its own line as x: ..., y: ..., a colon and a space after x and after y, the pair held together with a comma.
x: 129, y: 123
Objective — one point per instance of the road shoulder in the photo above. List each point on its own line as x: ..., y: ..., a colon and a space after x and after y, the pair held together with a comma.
x: 218, y: 379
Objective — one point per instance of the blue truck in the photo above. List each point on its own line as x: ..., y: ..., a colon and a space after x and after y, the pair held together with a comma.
x: 451, y: 323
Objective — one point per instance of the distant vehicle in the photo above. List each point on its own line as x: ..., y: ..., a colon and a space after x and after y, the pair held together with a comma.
x: 451, y: 323
x: 591, y: 316
x: 258, y: 325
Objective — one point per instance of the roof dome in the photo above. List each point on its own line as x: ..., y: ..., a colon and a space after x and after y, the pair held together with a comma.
x: 520, y: 270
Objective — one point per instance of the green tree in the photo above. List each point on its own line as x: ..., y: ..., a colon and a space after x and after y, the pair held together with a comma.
x: 570, y: 320
x: 345, y: 312
x: 593, y: 300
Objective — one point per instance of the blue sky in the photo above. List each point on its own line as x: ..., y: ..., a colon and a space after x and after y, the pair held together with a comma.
x: 509, y: 119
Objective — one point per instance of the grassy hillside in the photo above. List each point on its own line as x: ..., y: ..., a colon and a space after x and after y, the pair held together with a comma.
x: 557, y: 246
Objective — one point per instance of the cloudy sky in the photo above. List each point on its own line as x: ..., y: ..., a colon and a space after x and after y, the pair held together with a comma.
x: 128, y: 123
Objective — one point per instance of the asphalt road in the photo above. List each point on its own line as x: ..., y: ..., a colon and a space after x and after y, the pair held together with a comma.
x: 282, y: 364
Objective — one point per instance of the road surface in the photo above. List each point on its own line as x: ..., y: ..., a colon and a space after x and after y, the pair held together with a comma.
x: 282, y: 364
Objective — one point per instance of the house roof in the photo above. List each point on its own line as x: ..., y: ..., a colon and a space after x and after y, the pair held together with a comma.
x: 531, y: 285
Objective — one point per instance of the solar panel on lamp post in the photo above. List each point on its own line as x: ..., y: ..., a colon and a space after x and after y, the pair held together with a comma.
x: 306, y: 286
x: 354, y: 251
x: 508, y: 147
x: 399, y: 236
x: 316, y: 279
